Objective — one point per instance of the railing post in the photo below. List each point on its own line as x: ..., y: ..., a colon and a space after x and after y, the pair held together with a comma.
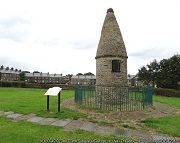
x: 143, y: 97
x: 149, y: 93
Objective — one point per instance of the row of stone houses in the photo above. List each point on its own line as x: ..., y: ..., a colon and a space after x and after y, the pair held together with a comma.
x: 11, y: 74
x: 7, y: 74
x: 83, y: 79
x: 47, y: 78
x: 91, y: 79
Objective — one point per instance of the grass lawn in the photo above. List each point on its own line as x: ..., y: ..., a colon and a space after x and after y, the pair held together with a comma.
x: 13, y: 131
x: 26, y: 100
x: 172, y: 101
x: 169, y: 124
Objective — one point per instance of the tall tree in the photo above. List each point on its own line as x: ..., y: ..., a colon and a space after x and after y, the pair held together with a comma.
x: 165, y: 74
x: 88, y: 73
x: 170, y: 72
x: 143, y: 75
x: 69, y: 75
x: 36, y: 72
x: 153, y: 70
x: 79, y: 74
x: 22, y: 76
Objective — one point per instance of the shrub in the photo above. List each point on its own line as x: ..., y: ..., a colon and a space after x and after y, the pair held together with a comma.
x: 5, y: 84
x: 166, y: 92
x: 23, y: 84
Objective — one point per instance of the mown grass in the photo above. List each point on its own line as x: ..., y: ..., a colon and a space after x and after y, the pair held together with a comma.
x: 170, y: 124
x: 172, y: 101
x: 13, y: 131
x: 26, y: 100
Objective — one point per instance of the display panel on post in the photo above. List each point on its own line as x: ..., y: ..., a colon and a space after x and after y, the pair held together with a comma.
x: 55, y: 91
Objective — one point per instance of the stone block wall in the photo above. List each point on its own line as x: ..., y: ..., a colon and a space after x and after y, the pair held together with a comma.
x: 105, y: 76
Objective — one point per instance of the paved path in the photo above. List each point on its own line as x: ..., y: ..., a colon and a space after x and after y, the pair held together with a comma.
x: 88, y: 126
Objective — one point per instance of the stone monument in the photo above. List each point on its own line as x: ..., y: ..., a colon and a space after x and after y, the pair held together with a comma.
x: 111, y: 91
x: 111, y: 56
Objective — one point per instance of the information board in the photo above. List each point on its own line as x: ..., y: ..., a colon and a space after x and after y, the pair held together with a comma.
x: 54, y: 91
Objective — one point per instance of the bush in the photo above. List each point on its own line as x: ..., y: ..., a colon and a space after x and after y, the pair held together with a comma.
x: 33, y: 85
x: 166, y: 92
x: 6, y: 84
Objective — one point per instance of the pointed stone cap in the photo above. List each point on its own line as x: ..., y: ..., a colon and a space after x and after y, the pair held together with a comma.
x: 111, y: 43
x: 110, y: 10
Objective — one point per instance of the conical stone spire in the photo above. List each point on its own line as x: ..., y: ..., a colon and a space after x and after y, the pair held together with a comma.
x: 111, y: 42
x: 111, y: 56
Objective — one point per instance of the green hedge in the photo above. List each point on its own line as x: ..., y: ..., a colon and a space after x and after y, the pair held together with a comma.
x: 166, y: 92
x: 21, y: 84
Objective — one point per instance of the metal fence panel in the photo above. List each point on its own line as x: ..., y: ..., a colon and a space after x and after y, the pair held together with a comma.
x: 113, y: 98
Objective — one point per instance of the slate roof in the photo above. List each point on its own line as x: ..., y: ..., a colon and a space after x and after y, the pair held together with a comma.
x: 83, y: 77
x: 42, y: 75
x: 4, y: 70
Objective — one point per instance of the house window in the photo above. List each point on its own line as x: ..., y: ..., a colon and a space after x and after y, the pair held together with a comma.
x: 115, y: 66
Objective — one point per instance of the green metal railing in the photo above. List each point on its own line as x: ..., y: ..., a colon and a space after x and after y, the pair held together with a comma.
x: 113, y: 98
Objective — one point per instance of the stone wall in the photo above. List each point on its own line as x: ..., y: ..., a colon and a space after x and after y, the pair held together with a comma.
x: 105, y: 76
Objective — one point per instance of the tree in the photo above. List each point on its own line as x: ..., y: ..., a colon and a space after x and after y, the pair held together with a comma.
x: 169, y: 72
x: 88, y: 73
x: 36, y: 72
x: 153, y: 69
x: 22, y: 76
x: 79, y: 74
x: 165, y: 74
x: 143, y: 75
x: 69, y: 75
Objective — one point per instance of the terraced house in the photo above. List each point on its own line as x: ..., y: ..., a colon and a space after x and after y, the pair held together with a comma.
x: 83, y: 79
x: 9, y: 74
x: 44, y: 78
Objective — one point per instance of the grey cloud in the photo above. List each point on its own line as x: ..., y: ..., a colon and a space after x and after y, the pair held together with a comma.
x: 85, y: 44
x: 148, y: 53
x: 13, y: 28
x: 12, y: 21
x: 47, y: 42
x: 10, y: 62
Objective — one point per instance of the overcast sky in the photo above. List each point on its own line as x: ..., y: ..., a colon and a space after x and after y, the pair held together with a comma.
x: 61, y: 36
